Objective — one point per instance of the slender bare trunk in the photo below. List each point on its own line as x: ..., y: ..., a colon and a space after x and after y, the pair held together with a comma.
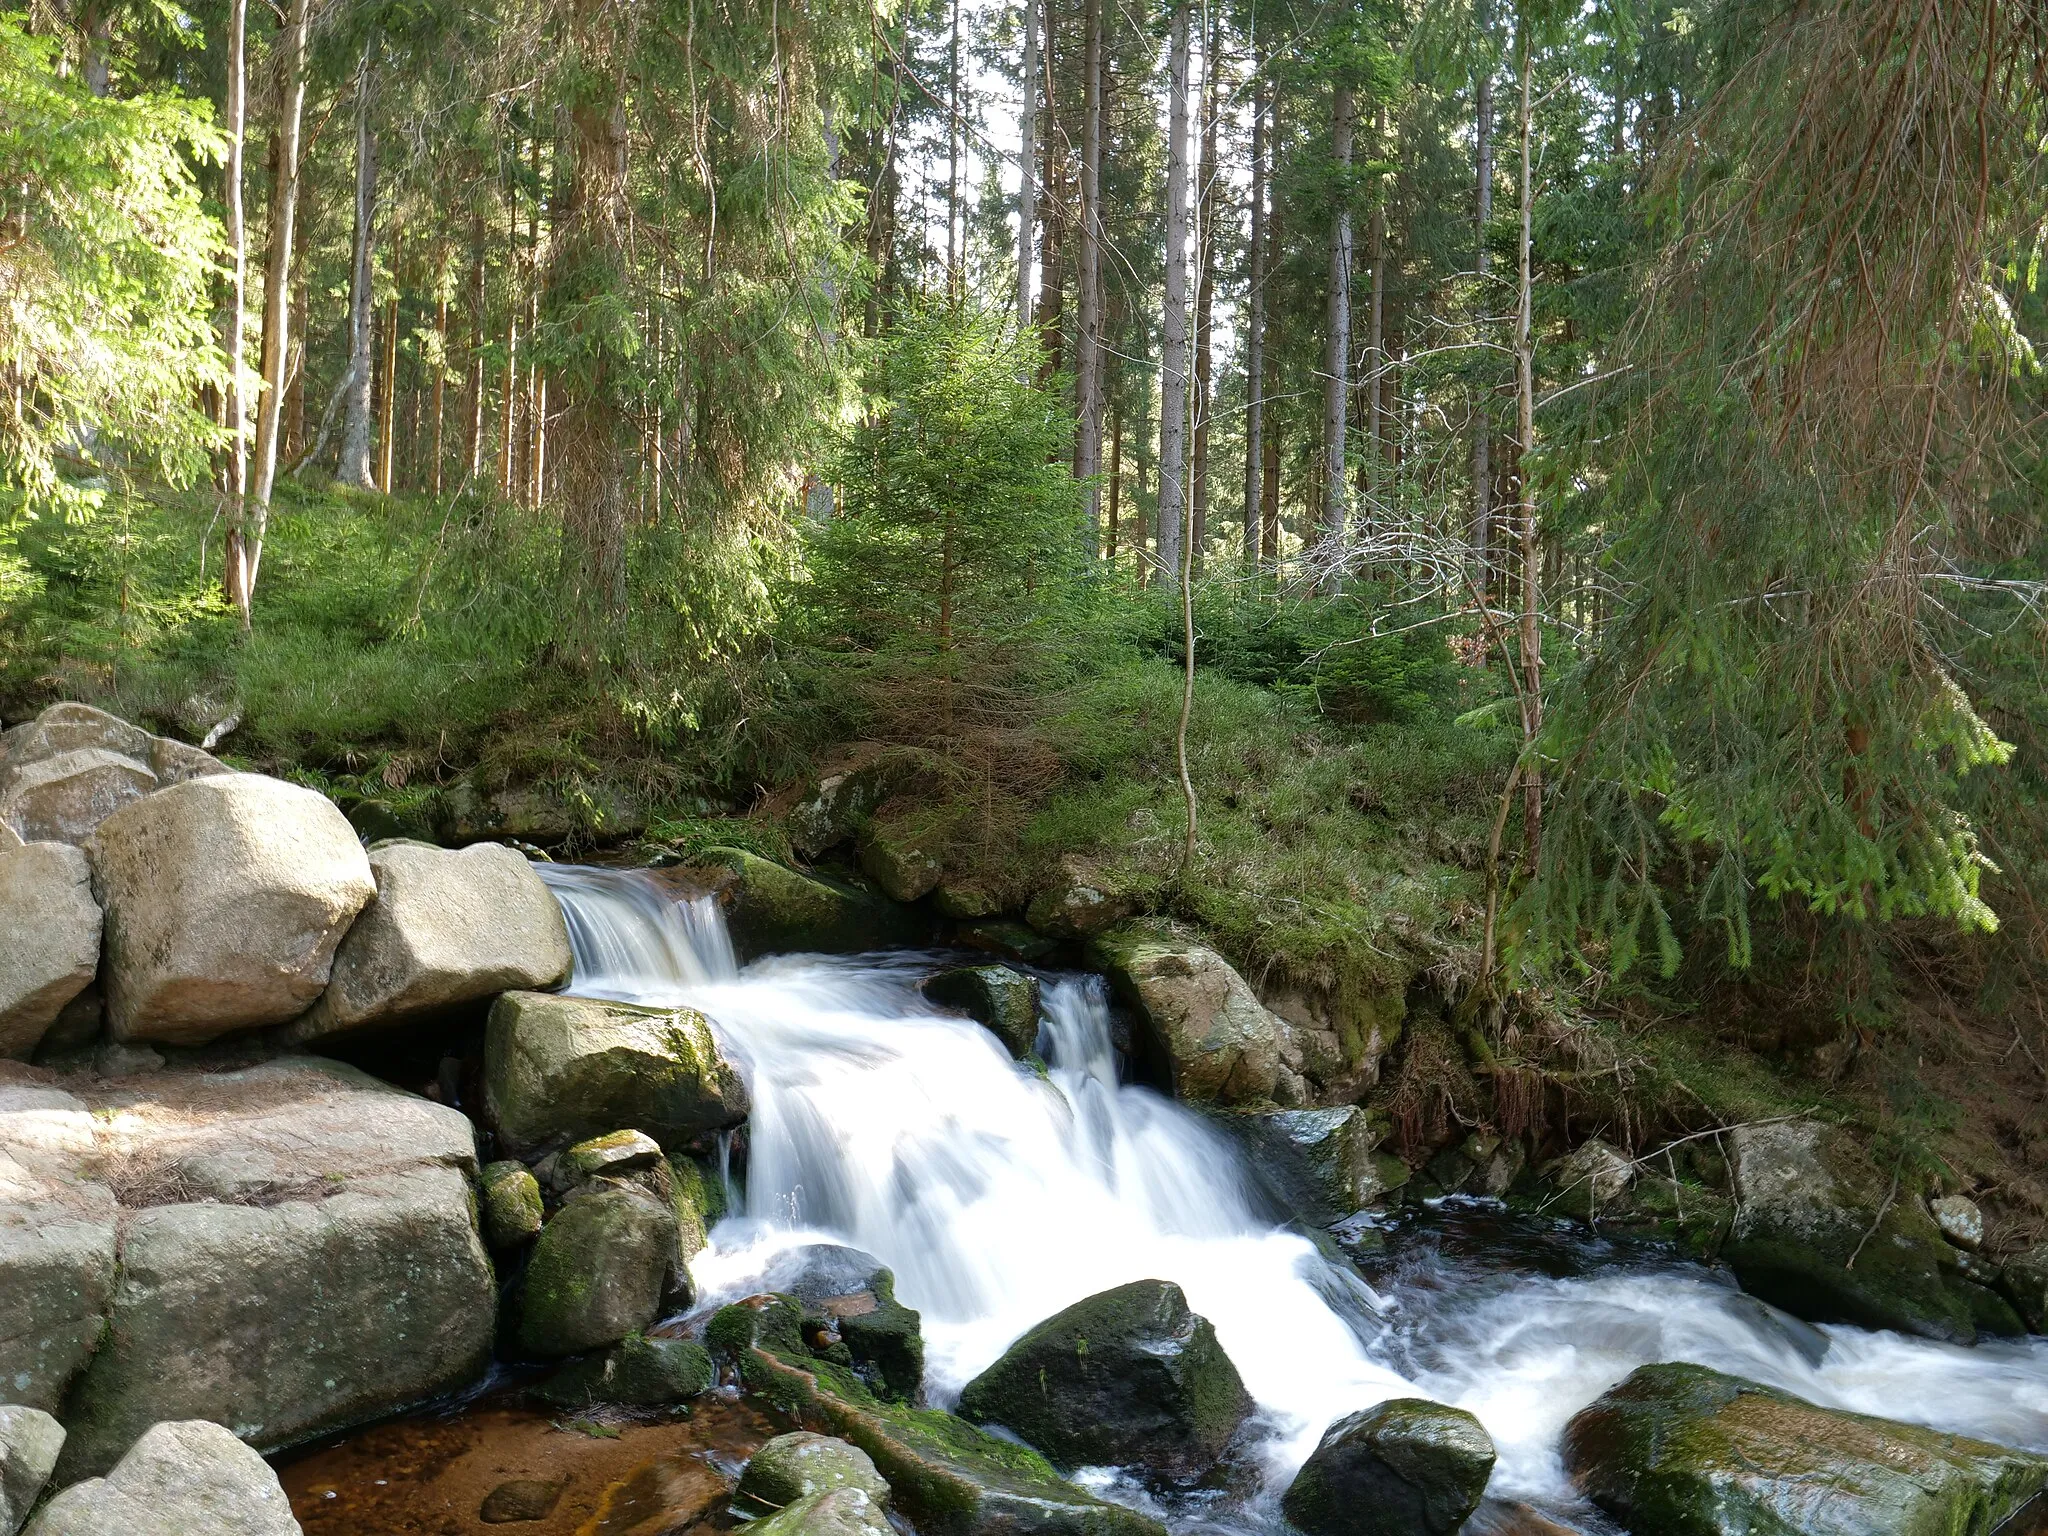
x: 1255, y: 322
x: 387, y: 405
x: 1173, y: 351
x: 955, y: 228
x: 235, y: 570
x: 1027, y: 165
x: 1525, y: 446
x: 1337, y: 342
x: 1376, y: 322
x: 1116, y: 477
x: 474, y: 412
x: 440, y: 387
x: 1482, y: 444
x: 277, y: 285
x: 1088, y: 344
x: 355, y: 467
x: 1202, y: 400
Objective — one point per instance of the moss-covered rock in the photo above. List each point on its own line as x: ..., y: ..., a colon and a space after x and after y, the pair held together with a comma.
x: 772, y: 910
x: 1408, y: 1467
x: 904, y: 863
x: 1129, y: 1377
x: 1077, y: 904
x: 851, y: 1295
x: 512, y: 1208
x: 699, y: 1201
x: 1321, y: 1164
x: 637, y: 1372
x: 797, y: 1465
x: 834, y: 1512
x: 598, y: 1271
x: 948, y: 1477
x: 1205, y: 1030
x: 565, y: 1068
x: 1821, y: 1231
x: 2024, y: 1280
x: 616, y: 1152
x: 1684, y: 1451
x: 1002, y: 1001
x: 840, y: 803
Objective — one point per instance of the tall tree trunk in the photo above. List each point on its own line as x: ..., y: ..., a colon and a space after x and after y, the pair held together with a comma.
x: 1116, y: 477
x: 1255, y: 317
x: 440, y: 384
x: 1027, y: 166
x: 355, y: 468
x: 277, y: 273
x: 1088, y: 342
x: 1207, y: 198
x: 1269, y: 494
x: 1482, y: 154
x: 1173, y: 350
x: 1525, y: 446
x: 1337, y: 342
x: 235, y: 570
x: 955, y: 230
x: 1376, y: 323
x: 387, y: 402
x: 473, y: 412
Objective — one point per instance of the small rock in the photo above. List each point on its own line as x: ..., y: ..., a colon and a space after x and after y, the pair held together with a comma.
x: 637, y: 1372
x: 1590, y: 1178
x: 52, y: 946
x: 1960, y: 1220
x: 619, y: 1152
x: 29, y: 1442
x: 855, y: 1295
x: 179, y: 1479
x: 1076, y: 905
x: 1002, y: 1001
x: 836, y: 1512
x: 1129, y: 1378
x: 896, y: 859
x: 836, y: 809
x: 795, y: 1466
x: 512, y: 1209
x: 1408, y: 1467
x: 598, y: 1271
x: 524, y: 1498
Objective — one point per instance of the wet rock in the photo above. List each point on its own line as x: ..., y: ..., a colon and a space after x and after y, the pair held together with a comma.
x: 65, y: 797
x: 618, y: 1153
x: 1811, y: 1200
x: 1592, y: 1177
x: 1001, y: 936
x: 2024, y: 1280
x: 851, y: 1294
x: 897, y: 859
x: 1408, y: 1467
x: 598, y: 1271
x: 772, y: 910
x: 225, y: 899
x: 1079, y: 904
x: 448, y: 927
x: 698, y: 1197
x: 637, y: 1372
x: 52, y: 946
x: 1129, y: 1377
x: 566, y: 1068
x: 1215, y: 1041
x: 1002, y: 1001
x: 29, y: 1442
x: 179, y: 1479
x: 512, y: 1208
x: 523, y: 1498
x: 1321, y: 1164
x: 836, y: 1512
x: 1685, y: 1451
x: 795, y: 1466
x: 947, y: 1477
x: 1959, y: 1220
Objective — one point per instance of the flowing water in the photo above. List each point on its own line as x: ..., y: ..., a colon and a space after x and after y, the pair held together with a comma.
x: 999, y: 1197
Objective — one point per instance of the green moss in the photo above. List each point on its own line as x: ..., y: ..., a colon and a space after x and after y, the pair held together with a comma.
x: 774, y: 910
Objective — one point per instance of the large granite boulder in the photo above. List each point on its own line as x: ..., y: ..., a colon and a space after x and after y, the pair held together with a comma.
x: 1821, y: 1231
x: 1320, y: 1164
x: 1408, y: 1467
x: 1684, y: 1451
x: 772, y: 910
x: 178, y: 1479
x: 67, y: 770
x: 1003, y: 1001
x: 565, y: 1068
x: 52, y: 947
x: 286, y: 1249
x: 1206, y: 1032
x: 29, y: 1442
x: 448, y: 927
x: 225, y: 897
x: 1128, y: 1377
x: 599, y: 1271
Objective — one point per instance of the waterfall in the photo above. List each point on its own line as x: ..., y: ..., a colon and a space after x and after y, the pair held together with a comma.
x: 998, y: 1196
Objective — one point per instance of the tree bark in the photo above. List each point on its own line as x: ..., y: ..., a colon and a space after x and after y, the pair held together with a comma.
x: 387, y: 403
x: 1027, y: 168
x: 277, y: 289
x: 433, y: 476
x: 1337, y: 341
x: 1116, y: 478
x: 355, y: 468
x: 1255, y: 320
x: 1173, y: 350
x: 1088, y: 342
x: 474, y: 405
x: 1482, y: 153
x: 1205, y: 295
x: 1525, y: 446
x: 1376, y: 322
x: 955, y: 230
x: 235, y: 569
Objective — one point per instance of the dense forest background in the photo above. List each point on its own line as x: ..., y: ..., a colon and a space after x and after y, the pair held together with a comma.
x: 1525, y: 517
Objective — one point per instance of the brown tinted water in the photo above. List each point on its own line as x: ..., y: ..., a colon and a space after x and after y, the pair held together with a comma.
x: 431, y: 1474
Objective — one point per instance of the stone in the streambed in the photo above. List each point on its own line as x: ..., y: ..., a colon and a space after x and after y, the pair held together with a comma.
x: 1002, y: 1001
x: 225, y: 899
x: 966, y: 899
x: 1959, y: 1219
x: 523, y: 1498
x: 1214, y: 1041
x: 566, y: 1068
x: 835, y: 1512
x: 1590, y: 1178
x: 795, y: 1466
x: 946, y: 1476
x: 297, y: 1253
x: 65, y: 797
x: 852, y: 1294
x: 772, y: 910
x: 1684, y: 1451
x: 617, y: 1153
x: 1408, y: 1467
x: 52, y: 946
x: 2024, y: 1280
x: 598, y: 1271
x: 698, y: 1195
x: 1321, y: 1164
x: 637, y: 1372
x: 29, y: 1442
x: 448, y: 927
x: 1078, y: 904
x: 179, y: 1479
x: 512, y: 1207
x: 1810, y: 1201
x: 902, y: 856
x: 1128, y: 1377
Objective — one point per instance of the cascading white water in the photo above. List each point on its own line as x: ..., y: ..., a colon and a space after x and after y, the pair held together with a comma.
x: 999, y: 1197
